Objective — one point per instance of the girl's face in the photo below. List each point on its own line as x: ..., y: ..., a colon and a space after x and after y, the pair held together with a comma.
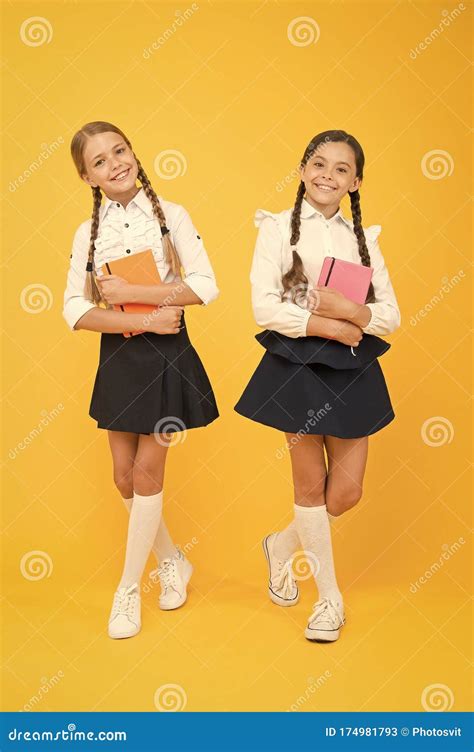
x: 328, y: 175
x: 110, y: 164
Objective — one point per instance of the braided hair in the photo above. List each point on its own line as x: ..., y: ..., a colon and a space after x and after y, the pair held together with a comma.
x: 295, y: 280
x: 78, y: 144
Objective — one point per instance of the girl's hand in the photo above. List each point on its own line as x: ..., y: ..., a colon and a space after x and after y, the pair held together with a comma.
x: 165, y: 320
x: 115, y: 290
x: 331, y: 303
x: 347, y: 333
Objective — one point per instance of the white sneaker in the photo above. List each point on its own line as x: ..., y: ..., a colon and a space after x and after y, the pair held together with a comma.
x: 125, y: 617
x: 282, y: 587
x: 325, y: 621
x: 174, y: 574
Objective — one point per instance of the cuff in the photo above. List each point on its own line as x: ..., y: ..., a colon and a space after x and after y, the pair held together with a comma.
x: 204, y: 287
x: 75, y: 309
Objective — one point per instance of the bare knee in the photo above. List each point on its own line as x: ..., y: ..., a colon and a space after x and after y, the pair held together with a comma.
x: 123, y: 479
x: 146, y: 480
x: 309, y: 492
x: 341, y: 498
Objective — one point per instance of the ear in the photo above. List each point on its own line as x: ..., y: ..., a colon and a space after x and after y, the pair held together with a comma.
x: 355, y: 185
x: 90, y: 182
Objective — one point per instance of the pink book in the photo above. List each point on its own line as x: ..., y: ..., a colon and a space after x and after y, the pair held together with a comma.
x: 353, y: 280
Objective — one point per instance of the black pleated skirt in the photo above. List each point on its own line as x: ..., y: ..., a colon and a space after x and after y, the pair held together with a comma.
x: 318, y: 386
x: 151, y: 383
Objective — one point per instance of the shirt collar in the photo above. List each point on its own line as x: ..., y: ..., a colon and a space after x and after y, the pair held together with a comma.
x: 141, y: 200
x: 309, y: 211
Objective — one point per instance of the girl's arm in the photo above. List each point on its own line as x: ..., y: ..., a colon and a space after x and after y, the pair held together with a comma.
x: 342, y: 331
x: 198, y: 286
x: 168, y: 293
x: 162, y: 321
x: 270, y: 311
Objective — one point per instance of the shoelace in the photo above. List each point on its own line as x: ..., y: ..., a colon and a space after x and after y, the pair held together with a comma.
x: 326, y: 610
x: 124, y: 602
x: 284, y: 581
x: 167, y: 573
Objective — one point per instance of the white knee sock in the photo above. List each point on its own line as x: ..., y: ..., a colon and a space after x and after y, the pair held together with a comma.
x: 163, y: 546
x: 314, y: 532
x: 287, y: 542
x: 142, y: 528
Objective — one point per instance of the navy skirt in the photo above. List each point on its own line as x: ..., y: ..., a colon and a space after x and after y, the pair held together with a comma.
x: 151, y: 383
x: 318, y: 386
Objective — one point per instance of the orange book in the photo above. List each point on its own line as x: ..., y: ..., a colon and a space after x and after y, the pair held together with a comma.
x: 137, y: 269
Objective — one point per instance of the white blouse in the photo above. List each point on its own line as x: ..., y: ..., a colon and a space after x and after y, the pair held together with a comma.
x: 130, y: 230
x: 319, y: 237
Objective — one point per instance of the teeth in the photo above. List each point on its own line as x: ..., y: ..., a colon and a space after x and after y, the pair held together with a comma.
x: 325, y: 188
x: 121, y: 175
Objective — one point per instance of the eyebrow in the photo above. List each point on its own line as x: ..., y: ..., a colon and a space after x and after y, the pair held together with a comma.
x: 113, y: 147
x: 318, y: 156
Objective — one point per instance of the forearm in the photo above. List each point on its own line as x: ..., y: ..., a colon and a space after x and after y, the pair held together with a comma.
x: 359, y: 314
x: 322, y: 326
x: 113, y: 322
x: 169, y: 293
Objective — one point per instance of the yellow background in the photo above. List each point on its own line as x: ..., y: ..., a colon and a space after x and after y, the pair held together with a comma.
x: 231, y: 93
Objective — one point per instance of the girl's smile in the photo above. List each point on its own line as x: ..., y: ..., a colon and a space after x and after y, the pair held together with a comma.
x: 112, y: 166
x: 328, y: 175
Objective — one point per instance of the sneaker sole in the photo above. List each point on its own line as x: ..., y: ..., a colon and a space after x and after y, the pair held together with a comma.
x: 316, y: 636
x: 273, y: 597
x: 184, y: 598
x: 124, y: 636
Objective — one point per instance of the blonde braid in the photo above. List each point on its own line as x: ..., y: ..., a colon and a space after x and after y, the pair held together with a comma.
x: 171, y: 256
x: 92, y: 291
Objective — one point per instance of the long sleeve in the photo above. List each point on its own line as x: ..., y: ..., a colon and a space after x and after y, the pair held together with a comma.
x: 199, y: 275
x: 385, y: 311
x: 75, y: 304
x: 266, y: 278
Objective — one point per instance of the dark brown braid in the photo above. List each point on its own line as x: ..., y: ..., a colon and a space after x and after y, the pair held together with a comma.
x: 78, y: 144
x: 295, y: 280
x: 359, y: 233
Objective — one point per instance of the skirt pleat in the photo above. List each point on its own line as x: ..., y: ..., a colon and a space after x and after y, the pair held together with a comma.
x: 151, y: 383
x: 311, y: 389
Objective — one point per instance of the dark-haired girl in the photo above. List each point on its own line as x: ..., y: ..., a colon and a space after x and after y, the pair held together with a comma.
x: 319, y: 380
x: 152, y: 384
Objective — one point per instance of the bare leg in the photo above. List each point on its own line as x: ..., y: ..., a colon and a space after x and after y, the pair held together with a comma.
x: 347, y: 459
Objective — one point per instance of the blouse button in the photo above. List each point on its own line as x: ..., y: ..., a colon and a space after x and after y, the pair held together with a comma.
x: 128, y: 250
x: 117, y: 204
x: 126, y: 224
